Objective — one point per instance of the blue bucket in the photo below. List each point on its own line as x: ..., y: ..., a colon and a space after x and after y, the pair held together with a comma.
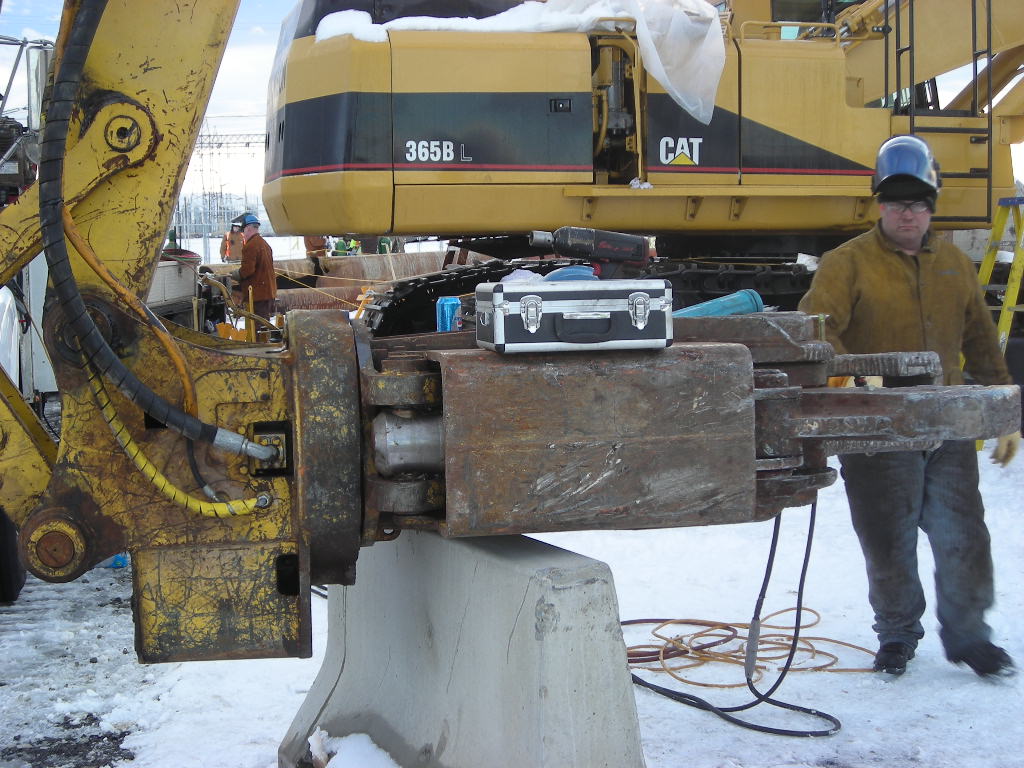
x: 740, y: 303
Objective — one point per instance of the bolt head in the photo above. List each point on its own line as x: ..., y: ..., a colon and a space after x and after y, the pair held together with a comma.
x: 55, y: 549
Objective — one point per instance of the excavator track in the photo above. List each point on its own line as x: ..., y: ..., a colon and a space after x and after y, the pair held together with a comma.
x: 408, y: 305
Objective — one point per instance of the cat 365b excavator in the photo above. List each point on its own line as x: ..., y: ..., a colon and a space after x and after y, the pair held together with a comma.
x: 238, y: 474
x: 486, y: 135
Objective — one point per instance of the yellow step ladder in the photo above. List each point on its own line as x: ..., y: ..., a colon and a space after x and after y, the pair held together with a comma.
x: 1007, y: 206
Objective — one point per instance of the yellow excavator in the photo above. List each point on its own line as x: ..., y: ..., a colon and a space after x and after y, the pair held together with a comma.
x: 468, y: 133
x: 237, y: 474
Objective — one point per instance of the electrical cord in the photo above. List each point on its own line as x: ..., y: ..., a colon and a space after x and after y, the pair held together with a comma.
x: 726, y: 713
x: 727, y: 645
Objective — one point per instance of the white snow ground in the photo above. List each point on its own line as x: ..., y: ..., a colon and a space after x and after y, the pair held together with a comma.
x: 67, y: 669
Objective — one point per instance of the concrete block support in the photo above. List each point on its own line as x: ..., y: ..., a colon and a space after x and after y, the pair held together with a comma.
x: 465, y: 653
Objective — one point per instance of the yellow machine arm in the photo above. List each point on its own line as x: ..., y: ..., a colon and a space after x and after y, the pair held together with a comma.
x: 131, y: 85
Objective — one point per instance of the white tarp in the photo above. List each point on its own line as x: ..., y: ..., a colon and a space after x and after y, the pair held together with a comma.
x: 10, y: 334
x: 680, y: 40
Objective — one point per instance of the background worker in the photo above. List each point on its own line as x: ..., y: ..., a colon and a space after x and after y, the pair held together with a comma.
x: 316, y: 249
x: 231, y: 243
x: 257, y: 269
x: 900, y: 288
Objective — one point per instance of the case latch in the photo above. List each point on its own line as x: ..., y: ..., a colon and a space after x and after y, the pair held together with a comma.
x: 639, y: 309
x: 530, y: 309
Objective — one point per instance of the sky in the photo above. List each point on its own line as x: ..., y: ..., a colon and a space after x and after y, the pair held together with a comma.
x: 238, y: 101
x: 68, y: 672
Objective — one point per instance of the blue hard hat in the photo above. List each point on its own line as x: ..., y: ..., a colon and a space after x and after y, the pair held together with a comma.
x: 906, y: 168
x: 250, y: 219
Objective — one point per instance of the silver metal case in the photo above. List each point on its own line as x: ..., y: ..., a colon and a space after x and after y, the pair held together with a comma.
x: 560, y: 316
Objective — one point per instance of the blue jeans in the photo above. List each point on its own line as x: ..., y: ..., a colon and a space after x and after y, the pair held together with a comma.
x: 891, y: 495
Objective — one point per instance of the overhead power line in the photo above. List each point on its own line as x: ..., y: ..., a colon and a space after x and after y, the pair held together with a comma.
x: 215, y: 141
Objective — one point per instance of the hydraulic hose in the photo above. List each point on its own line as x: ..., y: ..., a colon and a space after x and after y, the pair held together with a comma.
x: 94, y: 347
x: 157, y: 478
x: 138, y: 307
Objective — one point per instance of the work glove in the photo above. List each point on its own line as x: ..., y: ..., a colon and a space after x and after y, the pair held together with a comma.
x: 871, y: 382
x: 1006, y: 449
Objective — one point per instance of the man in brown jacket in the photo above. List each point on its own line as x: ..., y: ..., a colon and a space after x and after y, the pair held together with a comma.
x: 257, y: 269
x: 899, y: 288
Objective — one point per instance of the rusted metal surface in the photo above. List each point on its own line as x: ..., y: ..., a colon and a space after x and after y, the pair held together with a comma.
x: 786, y: 342
x: 771, y: 337
x: 289, y: 299
x: 800, y: 374
x: 388, y: 346
x: 800, y: 427
x: 328, y: 440
x: 551, y: 456
x: 403, y: 385
x: 617, y: 440
x: 181, y: 593
x: 777, y: 491
x: 856, y: 419
x: 774, y: 414
x: 895, y: 364
x: 405, y: 495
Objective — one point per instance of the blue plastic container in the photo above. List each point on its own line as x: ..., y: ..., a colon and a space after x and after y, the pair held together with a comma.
x: 117, y: 561
x: 573, y: 272
x: 447, y: 309
x: 740, y: 303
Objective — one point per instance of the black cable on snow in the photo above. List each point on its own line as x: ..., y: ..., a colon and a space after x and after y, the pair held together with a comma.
x: 726, y: 712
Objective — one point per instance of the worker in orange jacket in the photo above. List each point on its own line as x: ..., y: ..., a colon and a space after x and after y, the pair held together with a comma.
x: 231, y: 244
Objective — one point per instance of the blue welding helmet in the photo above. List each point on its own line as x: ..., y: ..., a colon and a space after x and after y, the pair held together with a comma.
x: 906, y: 170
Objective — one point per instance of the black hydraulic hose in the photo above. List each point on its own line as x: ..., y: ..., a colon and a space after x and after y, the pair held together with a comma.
x: 726, y: 712
x: 97, y: 351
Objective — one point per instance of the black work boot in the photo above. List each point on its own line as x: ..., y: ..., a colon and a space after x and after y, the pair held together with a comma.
x: 893, y: 657
x: 985, y: 659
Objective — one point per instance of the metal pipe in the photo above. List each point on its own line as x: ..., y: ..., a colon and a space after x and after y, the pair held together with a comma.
x: 405, y: 441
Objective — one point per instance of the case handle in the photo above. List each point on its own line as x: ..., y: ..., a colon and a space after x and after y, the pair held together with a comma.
x: 564, y: 332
